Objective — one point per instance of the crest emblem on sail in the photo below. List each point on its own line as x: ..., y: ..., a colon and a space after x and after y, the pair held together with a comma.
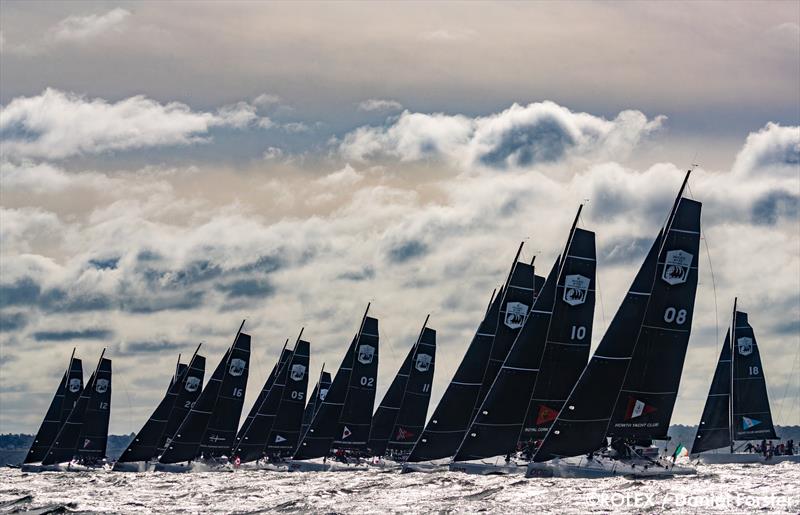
x: 744, y: 345
x: 74, y: 384
x: 298, y: 372
x: 575, y: 288
x: 237, y: 367
x: 515, y: 314
x: 676, y: 267
x: 323, y: 393
x: 192, y: 384
x: 365, y: 354
x: 423, y: 362
x: 101, y: 386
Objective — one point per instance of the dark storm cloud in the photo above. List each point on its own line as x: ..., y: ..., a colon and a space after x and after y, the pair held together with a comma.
x: 149, y: 303
x: 153, y: 346
x: 246, y: 288
x: 85, y: 334
x: 23, y: 292
x: 774, y: 205
x: 363, y: 274
x: 12, y: 321
x: 104, y: 264
x: 544, y: 141
x: 402, y: 252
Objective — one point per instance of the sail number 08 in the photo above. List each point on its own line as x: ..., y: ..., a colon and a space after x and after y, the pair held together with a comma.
x: 675, y: 315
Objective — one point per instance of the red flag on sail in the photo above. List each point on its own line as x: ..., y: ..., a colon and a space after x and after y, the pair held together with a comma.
x: 637, y: 408
x: 545, y: 415
x: 403, y: 434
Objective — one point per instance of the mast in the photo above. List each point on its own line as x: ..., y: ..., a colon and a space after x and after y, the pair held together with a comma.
x: 730, y: 397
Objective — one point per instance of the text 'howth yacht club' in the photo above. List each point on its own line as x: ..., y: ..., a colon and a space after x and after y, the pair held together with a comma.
x: 526, y: 398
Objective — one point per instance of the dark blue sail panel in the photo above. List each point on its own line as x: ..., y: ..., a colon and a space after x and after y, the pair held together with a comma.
x: 752, y: 418
x: 628, y: 389
x: 316, y: 441
x: 569, y: 336
x: 221, y: 398
x: 644, y: 407
x: 65, y: 445
x: 356, y: 416
x: 414, y: 407
x: 224, y: 419
x: 555, y: 336
x: 144, y: 446
x: 385, y: 416
x: 93, y: 438
x: 190, y: 387
x: 315, y: 401
x: 67, y: 393
x: 714, y: 429
x: 252, y: 436
x: 450, y: 419
x: 285, y: 433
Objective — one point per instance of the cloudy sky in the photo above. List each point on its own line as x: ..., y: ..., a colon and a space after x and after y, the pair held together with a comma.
x: 168, y: 170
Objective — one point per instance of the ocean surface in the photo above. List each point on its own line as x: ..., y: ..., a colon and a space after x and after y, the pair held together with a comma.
x: 715, y: 489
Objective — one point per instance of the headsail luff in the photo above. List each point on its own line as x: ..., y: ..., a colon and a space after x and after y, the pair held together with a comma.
x: 384, y: 418
x: 210, y: 426
x: 144, y: 446
x: 68, y: 391
x: 356, y: 416
x: 446, y: 427
x: 191, y: 385
x: 714, y: 430
x: 315, y: 401
x: 629, y: 387
x: 93, y: 438
x: 285, y: 432
x: 65, y: 446
x: 751, y: 417
x: 556, y: 335
x: 410, y: 419
x: 252, y: 436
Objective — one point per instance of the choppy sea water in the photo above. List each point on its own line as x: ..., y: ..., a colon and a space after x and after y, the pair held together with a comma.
x: 715, y: 489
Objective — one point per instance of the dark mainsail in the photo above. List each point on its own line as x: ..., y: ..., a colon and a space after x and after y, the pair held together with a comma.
x: 210, y: 426
x: 751, y: 419
x: 356, y: 416
x: 714, y: 430
x: 315, y: 401
x: 191, y: 385
x: 629, y: 387
x: 414, y: 407
x: 67, y: 393
x: 144, y: 446
x: 384, y: 418
x: 252, y: 436
x: 316, y: 440
x: 285, y: 432
x: 545, y: 360
x: 85, y: 432
x: 445, y: 429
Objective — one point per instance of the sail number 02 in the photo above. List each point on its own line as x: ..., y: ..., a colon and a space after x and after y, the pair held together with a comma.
x: 675, y: 315
x: 367, y: 381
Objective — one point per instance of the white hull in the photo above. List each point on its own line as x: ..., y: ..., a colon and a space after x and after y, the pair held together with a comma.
x: 260, y: 465
x: 425, y: 466
x: 601, y: 466
x: 194, y: 466
x: 324, y: 466
x: 384, y: 464
x: 723, y: 458
x: 134, y: 466
x: 63, y: 467
x: 489, y: 468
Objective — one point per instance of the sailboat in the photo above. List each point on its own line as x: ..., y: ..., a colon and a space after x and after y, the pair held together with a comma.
x: 400, y: 417
x: 541, y: 368
x: 143, y: 451
x: 274, y: 429
x: 340, y: 428
x: 67, y: 393
x: 206, y: 434
x: 485, y: 355
x: 81, y: 442
x: 627, y: 391
x: 737, y: 408
x: 316, y: 398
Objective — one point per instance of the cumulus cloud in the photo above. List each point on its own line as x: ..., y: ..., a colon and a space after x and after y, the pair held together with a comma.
x: 375, y: 104
x: 774, y: 150
x: 518, y: 137
x: 81, y: 28
x: 56, y: 124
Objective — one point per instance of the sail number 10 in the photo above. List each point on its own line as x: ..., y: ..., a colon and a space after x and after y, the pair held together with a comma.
x: 578, y: 332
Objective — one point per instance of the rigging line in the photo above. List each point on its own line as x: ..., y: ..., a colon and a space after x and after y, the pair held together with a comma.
x: 596, y: 280
x: 713, y: 278
x: 788, y: 384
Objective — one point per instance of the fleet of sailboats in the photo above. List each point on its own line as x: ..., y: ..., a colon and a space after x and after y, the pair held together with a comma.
x: 526, y: 397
